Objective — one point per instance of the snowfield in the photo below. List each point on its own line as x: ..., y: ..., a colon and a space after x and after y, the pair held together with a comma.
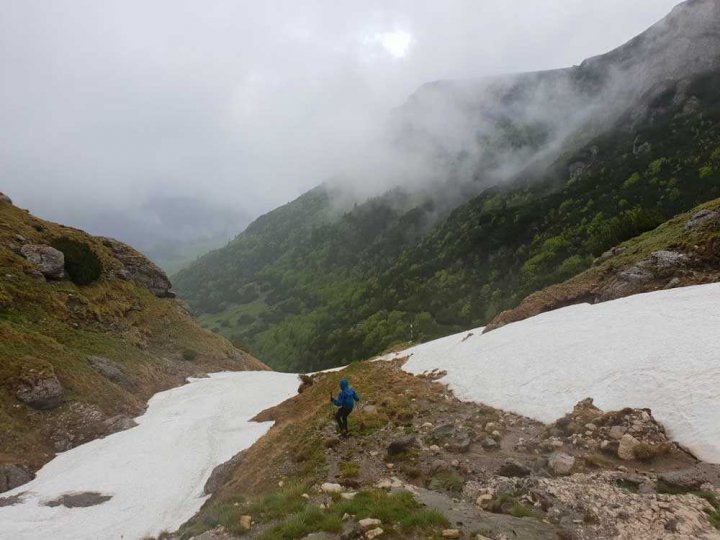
x: 659, y: 350
x: 154, y: 472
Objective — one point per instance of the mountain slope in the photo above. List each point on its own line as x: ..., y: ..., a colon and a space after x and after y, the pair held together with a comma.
x: 88, y: 333
x: 567, y: 164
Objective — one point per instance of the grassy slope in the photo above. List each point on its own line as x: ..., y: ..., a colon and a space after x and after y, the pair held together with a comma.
x: 327, y: 296
x: 53, y: 327
x: 598, y: 283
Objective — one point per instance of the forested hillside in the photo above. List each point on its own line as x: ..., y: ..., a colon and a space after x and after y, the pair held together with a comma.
x: 315, y: 284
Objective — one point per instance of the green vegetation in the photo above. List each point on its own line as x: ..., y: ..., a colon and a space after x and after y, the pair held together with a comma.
x: 324, y: 287
x: 81, y: 263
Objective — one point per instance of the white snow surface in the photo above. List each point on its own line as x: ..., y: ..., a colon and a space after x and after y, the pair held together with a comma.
x: 155, y: 472
x: 659, y: 350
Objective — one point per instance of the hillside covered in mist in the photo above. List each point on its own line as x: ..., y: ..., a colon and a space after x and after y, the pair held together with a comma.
x: 495, y: 188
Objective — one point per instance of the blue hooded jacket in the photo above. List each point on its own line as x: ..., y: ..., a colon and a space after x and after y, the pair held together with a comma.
x: 347, y: 396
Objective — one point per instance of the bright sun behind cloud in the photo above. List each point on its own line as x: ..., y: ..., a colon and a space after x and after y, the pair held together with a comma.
x: 396, y: 43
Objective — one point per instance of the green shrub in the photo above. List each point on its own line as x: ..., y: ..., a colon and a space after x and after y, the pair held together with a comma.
x: 189, y: 355
x: 81, y: 263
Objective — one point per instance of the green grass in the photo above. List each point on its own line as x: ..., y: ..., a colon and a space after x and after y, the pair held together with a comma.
x: 447, y: 481
x: 349, y: 469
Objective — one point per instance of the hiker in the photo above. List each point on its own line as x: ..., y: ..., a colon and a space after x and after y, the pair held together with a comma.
x: 345, y: 401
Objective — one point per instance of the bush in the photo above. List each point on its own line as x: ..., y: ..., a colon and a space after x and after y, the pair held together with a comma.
x: 81, y: 263
x: 189, y: 355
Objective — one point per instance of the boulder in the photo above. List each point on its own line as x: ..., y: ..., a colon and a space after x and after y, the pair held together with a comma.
x: 617, y: 432
x: 50, y: 261
x: 442, y: 432
x: 513, y: 468
x: 626, y: 448
x: 43, y: 392
x: 246, y: 522
x: 488, y: 443
x: 12, y: 476
x: 668, y: 259
x: 139, y: 269
x: 461, y: 445
x: 4, y: 198
x: 374, y: 533
x: 400, y: 446
x: 561, y: 464
x: 451, y: 533
x: 691, y: 478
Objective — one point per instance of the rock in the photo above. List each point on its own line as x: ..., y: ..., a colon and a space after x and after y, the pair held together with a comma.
x: 306, y: 381
x: 50, y: 261
x: 626, y: 449
x: 107, y: 368
x: 4, y: 198
x: 368, y: 523
x: 434, y: 448
x: 668, y: 259
x: 400, y: 446
x: 488, y: 443
x: 617, y: 432
x: 374, y: 533
x: 370, y: 409
x: 389, y: 483
x: 20, y: 238
x: 349, y: 496
x: 118, y: 423
x: 561, y: 464
x: 513, y: 468
x: 451, y: 533
x: 40, y: 392
x: 140, y: 269
x: 328, y: 487
x: 702, y: 217
x: 12, y: 476
x: 246, y: 522
x: 442, y: 432
x: 692, y: 478
x: 613, y: 252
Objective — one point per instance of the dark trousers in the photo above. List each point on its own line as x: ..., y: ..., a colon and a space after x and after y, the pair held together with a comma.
x: 341, y: 417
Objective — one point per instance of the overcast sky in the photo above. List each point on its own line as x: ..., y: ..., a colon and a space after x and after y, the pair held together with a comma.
x: 112, y: 108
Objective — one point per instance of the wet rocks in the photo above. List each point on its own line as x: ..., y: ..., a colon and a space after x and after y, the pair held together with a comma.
x: 48, y: 260
x: 12, y: 476
x: 40, y: 391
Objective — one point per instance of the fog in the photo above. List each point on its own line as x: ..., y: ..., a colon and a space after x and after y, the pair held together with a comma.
x: 170, y: 124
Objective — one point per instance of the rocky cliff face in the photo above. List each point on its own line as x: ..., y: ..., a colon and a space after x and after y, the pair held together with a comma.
x: 88, y: 332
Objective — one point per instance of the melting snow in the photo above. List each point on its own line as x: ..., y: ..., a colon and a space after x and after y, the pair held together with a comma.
x: 154, y: 472
x: 659, y: 350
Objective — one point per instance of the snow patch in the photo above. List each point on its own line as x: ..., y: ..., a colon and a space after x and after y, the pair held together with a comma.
x: 155, y: 472
x: 659, y: 350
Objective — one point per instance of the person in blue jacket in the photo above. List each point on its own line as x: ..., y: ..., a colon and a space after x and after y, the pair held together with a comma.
x: 345, y: 402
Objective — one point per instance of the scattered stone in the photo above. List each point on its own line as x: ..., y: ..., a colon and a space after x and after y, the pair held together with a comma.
x: 434, y: 448
x: 370, y: 409
x: 561, y: 464
x: 12, y: 476
x: 513, y: 468
x: 305, y: 496
x: 367, y: 523
x: 374, y: 533
x: 40, y: 392
x: 442, y: 432
x: 451, y: 533
x: 400, y: 446
x: 617, y: 432
x: 50, y: 261
x: 328, y: 487
x: 348, y: 496
x: 389, y: 483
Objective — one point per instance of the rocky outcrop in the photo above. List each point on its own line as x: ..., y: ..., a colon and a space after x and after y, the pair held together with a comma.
x: 5, y: 199
x: 108, y: 369
x: 12, y: 476
x: 139, y: 269
x: 42, y: 391
x: 48, y: 260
